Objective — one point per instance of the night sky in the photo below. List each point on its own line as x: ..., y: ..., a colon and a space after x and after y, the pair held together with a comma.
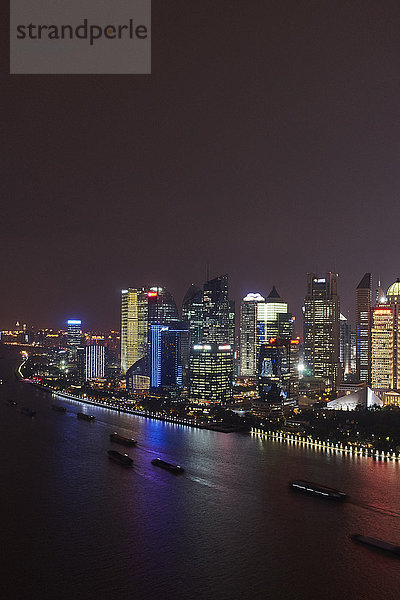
x: 266, y: 141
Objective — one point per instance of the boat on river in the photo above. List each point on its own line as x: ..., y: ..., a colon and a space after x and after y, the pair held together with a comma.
x: 120, y: 439
x: 167, y: 466
x: 315, y: 489
x: 121, y: 459
x: 85, y: 417
x: 376, y: 543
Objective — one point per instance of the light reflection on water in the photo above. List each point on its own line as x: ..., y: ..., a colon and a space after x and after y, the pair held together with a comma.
x: 76, y: 525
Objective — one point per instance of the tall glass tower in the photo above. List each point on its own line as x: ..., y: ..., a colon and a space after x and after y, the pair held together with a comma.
x: 134, y: 323
x: 74, y: 332
x: 273, y: 319
x: 248, y: 333
x: 217, y: 323
x: 321, y: 329
x: 162, y: 309
x: 385, y: 371
x: 192, y: 313
x: 211, y: 361
x: 363, y: 328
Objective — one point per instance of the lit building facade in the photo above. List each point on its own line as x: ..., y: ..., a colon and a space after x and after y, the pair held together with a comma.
x: 192, y: 317
x: 278, y: 371
x: 383, y: 348
x: 211, y: 360
x: 385, y: 365
x: 217, y: 323
x: 211, y: 373
x: 345, y: 346
x: 95, y: 360
x: 363, y: 329
x: 166, y: 359
x: 248, y: 333
x: 74, y: 337
x: 273, y: 319
x: 192, y: 313
x: 162, y: 309
x: 134, y: 325
x: 167, y: 338
x: 321, y: 329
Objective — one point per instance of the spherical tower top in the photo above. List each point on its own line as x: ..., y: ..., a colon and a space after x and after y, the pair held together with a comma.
x: 393, y: 293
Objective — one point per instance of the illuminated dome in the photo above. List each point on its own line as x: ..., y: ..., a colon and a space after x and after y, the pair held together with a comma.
x: 254, y: 297
x: 394, y: 290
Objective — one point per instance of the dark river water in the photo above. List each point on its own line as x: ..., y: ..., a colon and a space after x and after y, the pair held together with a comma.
x: 75, y: 525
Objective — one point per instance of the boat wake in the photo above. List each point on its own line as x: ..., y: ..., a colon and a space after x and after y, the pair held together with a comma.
x: 382, y: 510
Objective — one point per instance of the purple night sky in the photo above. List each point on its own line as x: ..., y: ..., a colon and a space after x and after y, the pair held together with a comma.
x: 266, y: 141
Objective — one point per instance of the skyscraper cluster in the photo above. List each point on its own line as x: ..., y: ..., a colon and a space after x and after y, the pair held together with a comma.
x: 162, y: 351
x: 192, y: 353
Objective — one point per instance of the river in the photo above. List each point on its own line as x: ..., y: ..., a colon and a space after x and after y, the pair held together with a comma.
x: 77, y: 526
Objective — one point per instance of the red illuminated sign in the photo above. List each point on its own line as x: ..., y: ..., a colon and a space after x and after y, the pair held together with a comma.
x: 152, y: 294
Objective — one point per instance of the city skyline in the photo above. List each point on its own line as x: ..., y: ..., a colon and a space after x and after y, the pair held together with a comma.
x: 94, y: 324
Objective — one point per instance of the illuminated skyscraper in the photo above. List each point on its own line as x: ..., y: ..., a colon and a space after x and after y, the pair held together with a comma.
x: 277, y: 371
x: 232, y: 325
x: 345, y: 345
x: 192, y: 317
x: 385, y: 367
x: 211, y: 361
x: 167, y: 340
x: 166, y: 358
x: 74, y: 332
x: 95, y: 358
x: 217, y: 324
x: 211, y: 373
x: 321, y: 329
x: 248, y: 333
x: 363, y: 328
x: 192, y: 313
x: 162, y: 309
x: 273, y: 319
x: 134, y: 325
x: 383, y: 349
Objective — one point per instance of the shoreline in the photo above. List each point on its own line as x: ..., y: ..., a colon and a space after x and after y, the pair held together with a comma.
x: 290, y: 438
x: 145, y: 414
x: 277, y: 436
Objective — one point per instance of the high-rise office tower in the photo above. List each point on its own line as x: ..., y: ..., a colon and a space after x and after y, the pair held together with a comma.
x: 248, y: 333
x: 74, y: 332
x: 385, y: 365
x: 345, y: 346
x: 167, y: 340
x: 211, y: 373
x: 162, y: 309
x: 321, y: 329
x: 232, y: 325
x: 134, y: 326
x: 211, y: 361
x: 95, y: 358
x: 217, y: 324
x: 363, y: 328
x: 383, y: 348
x: 192, y: 313
x: 167, y: 345
x: 277, y: 370
x: 273, y: 319
x: 192, y: 317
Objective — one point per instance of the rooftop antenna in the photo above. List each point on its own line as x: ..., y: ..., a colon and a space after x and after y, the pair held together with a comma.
x: 208, y: 271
